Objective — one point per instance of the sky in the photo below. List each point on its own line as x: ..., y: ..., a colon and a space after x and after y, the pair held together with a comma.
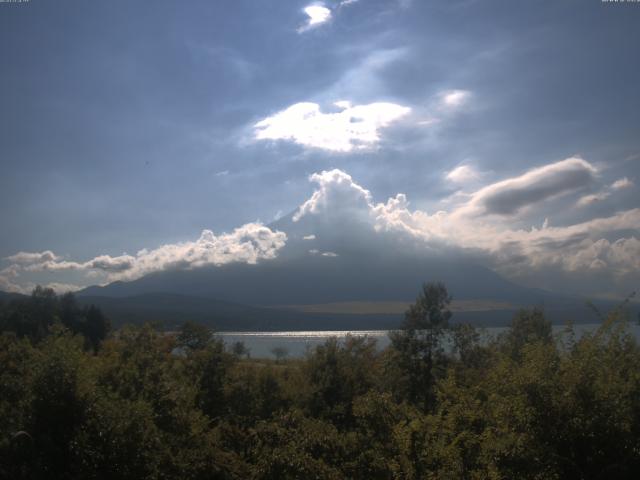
x: 144, y: 136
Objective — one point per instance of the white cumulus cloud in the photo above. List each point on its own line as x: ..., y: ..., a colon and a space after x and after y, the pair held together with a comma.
x: 622, y: 183
x: 354, y: 127
x: 600, y: 243
x: 26, y: 258
x: 340, y: 210
x: 317, y: 14
x: 249, y: 244
x: 6, y: 279
x: 337, y: 194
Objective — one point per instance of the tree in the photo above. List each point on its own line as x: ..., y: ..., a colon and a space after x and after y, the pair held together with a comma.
x: 417, y: 346
x: 280, y: 353
x: 96, y: 326
x: 194, y: 336
x: 239, y: 349
x: 34, y: 316
x: 337, y: 373
x: 527, y: 327
x: 58, y: 403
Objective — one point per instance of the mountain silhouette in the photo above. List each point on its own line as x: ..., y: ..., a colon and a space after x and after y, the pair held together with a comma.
x: 323, y: 263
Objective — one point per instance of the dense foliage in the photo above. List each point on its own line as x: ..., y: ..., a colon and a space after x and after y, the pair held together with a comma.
x: 141, y: 404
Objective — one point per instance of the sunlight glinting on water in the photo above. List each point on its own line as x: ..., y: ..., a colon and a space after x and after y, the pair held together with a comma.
x: 308, y: 334
x: 299, y: 343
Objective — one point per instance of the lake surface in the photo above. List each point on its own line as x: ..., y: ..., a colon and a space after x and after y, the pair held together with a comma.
x: 261, y: 344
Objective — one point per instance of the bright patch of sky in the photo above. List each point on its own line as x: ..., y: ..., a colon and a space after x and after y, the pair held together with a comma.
x: 317, y: 14
x: 353, y: 127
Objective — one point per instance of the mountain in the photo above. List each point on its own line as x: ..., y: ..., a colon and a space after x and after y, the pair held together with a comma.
x: 333, y: 265
x: 171, y: 310
x: 6, y: 297
x: 337, y: 269
x: 317, y: 279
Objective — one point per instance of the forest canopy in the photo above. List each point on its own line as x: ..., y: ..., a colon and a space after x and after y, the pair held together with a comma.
x: 78, y: 401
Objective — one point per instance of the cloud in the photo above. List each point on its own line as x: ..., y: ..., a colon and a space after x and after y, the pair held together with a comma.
x: 60, y: 288
x: 315, y: 251
x: 510, y: 196
x: 593, y: 198
x: 579, y: 249
x: 463, y: 174
x: 7, y: 284
x: 453, y: 99
x: 317, y: 14
x: 112, y: 264
x: 337, y: 195
x: 621, y: 184
x: 6, y: 278
x: 622, y: 255
x: 10, y: 272
x: 346, y: 218
x: 366, y: 78
x: 354, y: 127
x: 26, y: 258
x: 248, y: 244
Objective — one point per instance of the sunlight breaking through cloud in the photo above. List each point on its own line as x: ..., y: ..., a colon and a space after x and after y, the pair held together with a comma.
x: 317, y: 14
x: 463, y: 174
x: 454, y: 98
x: 354, y: 127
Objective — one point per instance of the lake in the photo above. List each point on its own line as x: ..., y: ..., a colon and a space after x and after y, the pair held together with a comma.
x: 297, y: 344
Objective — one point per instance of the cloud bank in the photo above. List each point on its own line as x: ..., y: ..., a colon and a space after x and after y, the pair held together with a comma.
x: 483, y: 225
x: 248, y: 244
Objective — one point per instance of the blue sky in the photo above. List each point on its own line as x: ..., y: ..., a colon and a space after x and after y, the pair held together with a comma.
x: 135, y: 125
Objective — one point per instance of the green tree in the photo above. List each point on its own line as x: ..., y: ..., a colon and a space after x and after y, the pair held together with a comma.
x: 527, y: 327
x: 60, y: 389
x: 209, y: 368
x: 194, y: 336
x: 280, y: 353
x: 96, y: 326
x: 17, y: 357
x: 33, y: 317
x: 337, y: 374
x: 239, y: 349
x: 416, y: 348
